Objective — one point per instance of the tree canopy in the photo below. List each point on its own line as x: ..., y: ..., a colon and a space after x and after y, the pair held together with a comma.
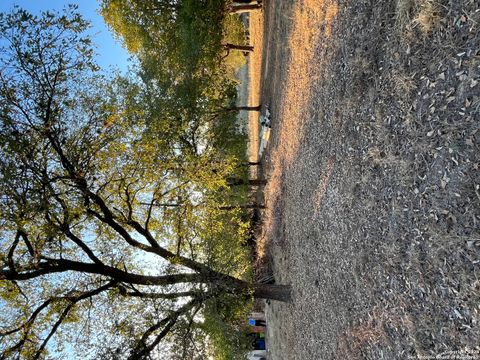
x: 114, y: 234
x: 179, y: 48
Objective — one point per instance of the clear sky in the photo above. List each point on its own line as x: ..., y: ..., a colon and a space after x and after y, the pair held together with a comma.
x: 110, y: 52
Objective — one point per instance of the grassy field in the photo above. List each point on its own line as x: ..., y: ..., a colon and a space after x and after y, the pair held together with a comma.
x: 373, y: 198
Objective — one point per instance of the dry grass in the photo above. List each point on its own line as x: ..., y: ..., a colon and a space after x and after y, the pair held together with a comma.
x: 311, y: 21
x: 424, y: 14
x: 402, y: 83
x: 404, y: 12
x: 380, y: 242
x: 428, y: 16
x: 370, y: 332
x: 375, y: 154
x: 309, y: 18
x: 323, y: 183
x: 254, y: 76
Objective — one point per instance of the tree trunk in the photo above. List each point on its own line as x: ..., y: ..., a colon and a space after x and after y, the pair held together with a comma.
x: 251, y: 163
x: 251, y: 182
x: 246, y: 108
x: 272, y: 292
x: 227, y: 207
x: 259, y: 291
x: 244, y: 8
x: 244, y: 48
x: 250, y: 206
x: 250, y: 2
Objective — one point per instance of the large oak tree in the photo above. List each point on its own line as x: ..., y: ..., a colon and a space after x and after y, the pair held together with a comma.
x: 85, y: 253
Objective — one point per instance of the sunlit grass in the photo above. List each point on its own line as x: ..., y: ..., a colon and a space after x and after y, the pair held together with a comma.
x: 312, y: 23
x: 254, y: 77
x: 424, y: 14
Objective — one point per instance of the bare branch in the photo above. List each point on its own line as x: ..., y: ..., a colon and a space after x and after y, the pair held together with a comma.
x: 72, y: 302
x: 11, y: 252
x: 30, y: 248
x: 51, y: 266
x: 144, y: 295
x: 26, y: 327
x: 142, y: 349
x: 81, y: 244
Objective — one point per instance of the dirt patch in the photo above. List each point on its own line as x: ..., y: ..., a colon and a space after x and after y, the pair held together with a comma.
x: 373, y: 199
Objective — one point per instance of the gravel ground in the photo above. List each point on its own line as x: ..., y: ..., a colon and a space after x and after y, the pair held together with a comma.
x: 373, y: 198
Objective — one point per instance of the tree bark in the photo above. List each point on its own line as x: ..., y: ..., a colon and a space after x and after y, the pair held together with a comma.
x: 63, y: 265
x: 250, y: 2
x: 244, y: 8
x: 245, y: 108
x: 244, y: 48
x: 250, y: 206
x: 227, y: 207
x: 251, y: 182
x: 273, y: 292
x: 258, y: 291
x: 251, y: 163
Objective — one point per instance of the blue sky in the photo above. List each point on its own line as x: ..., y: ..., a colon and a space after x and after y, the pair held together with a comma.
x: 110, y: 52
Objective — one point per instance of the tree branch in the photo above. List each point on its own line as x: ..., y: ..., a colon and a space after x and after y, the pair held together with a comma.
x: 27, y: 326
x: 72, y: 302
x: 142, y: 349
x: 81, y: 244
x: 11, y: 252
x: 51, y: 266
x: 144, y: 295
